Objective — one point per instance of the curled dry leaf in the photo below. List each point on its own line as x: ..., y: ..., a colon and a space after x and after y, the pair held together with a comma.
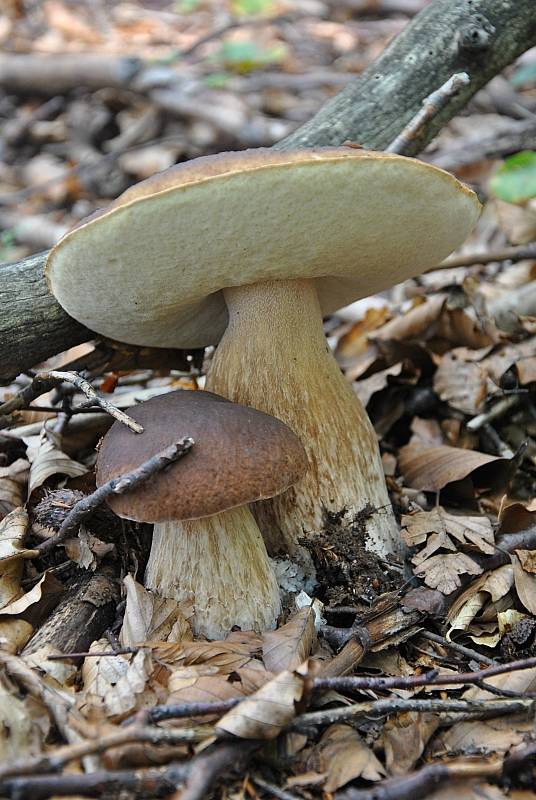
x: 355, y: 342
x: 48, y: 588
x: 527, y: 559
x: 290, y: 645
x: 525, y: 583
x: 404, y: 738
x: 462, y: 384
x: 14, y: 634
x: 23, y: 725
x: 274, y: 705
x: 13, y: 480
x: 117, y: 684
x: 149, y: 616
x: 443, y: 572
x: 343, y: 756
x: 86, y: 550
x: 366, y: 387
x: 237, y: 651
x: 12, y: 532
x: 47, y: 459
x: 415, y: 323
x: 432, y: 468
x: 495, y: 585
x: 476, y: 531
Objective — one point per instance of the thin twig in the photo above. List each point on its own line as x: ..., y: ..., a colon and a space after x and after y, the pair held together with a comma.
x: 458, y: 648
x: 497, y: 410
x: 274, y: 790
x: 45, y: 381
x: 431, y: 107
x: 377, y: 709
x: 514, y: 254
x: 120, y: 485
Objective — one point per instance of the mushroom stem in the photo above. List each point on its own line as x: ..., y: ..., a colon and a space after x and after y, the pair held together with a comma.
x: 219, y: 562
x: 275, y: 358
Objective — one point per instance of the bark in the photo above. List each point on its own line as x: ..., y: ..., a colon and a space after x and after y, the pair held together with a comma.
x: 479, y: 37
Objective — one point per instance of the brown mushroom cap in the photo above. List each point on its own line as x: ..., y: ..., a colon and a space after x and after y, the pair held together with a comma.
x: 240, y: 456
x: 151, y: 268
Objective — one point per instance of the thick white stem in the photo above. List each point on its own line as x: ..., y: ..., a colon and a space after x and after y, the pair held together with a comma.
x: 274, y: 357
x: 220, y: 563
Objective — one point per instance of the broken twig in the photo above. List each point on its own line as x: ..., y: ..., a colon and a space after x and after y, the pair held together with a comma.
x: 43, y: 382
x: 431, y: 107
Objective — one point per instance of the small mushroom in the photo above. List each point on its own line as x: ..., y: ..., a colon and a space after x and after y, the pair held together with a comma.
x: 206, y: 543
x: 252, y: 248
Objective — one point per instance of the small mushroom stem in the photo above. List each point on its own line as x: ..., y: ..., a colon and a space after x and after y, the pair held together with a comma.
x: 219, y: 562
x: 274, y: 357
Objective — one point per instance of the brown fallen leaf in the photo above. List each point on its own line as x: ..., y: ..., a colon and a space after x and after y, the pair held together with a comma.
x: 462, y: 384
x: 415, y: 323
x: 290, y: 645
x: 527, y: 559
x: 404, y: 738
x: 149, y: 616
x: 525, y: 583
x: 355, y: 341
x: 47, y: 459
x: 13, y: 480
x: 492, y: 585
x: 366, y: 387
x: 202, y: 689
x: 476, y: 531
x: 343, y: 756
x: 433, y: 468
x: 274, y: 705
x: 24, y: 724
x: 47, y: 586
x: 14, y: 634
x: 13, y: 530
x: 237, y: 651
x: 443, y: 572
x: 117, y: 685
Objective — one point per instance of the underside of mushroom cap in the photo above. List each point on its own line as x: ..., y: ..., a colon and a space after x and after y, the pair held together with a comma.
x: 240, y: 455
x: 150, y: 270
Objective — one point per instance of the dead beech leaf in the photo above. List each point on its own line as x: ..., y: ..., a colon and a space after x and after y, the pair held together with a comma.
x: 48, y: 585
x: 432, y: 468
x: 237, y: 651
x: 366, y: 387
x: 47, y: 459
x: 404, y: 738
x: 462, y: 384
x: 86, y: 550
x: 290, y: 645
x: 274, y: 705
x: 117, y: 684
x: 355, y: 342
x: 343, y: 756
x: 149, y: 616
x: 12, y: 533
x: 527, y: 559
x: 23, y: 725
x: 495, y: 585
x: 415, y: 323
x: 476, y: 531
x: 202, y: 689
x: 443, y: 572
x: 525, y: 583
x: 14, y: 634
x: 13, y: 480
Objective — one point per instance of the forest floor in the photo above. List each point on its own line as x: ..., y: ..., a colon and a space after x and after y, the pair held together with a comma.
x: 393, y: 681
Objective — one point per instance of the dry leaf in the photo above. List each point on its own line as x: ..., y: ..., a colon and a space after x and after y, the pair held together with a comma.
x: 48, y: 585
x: 495, y: 585
x: 290, y: 645
x: 527, y: 559
x: 21, y: 725
x: 433, y: 468
x: 149, y: 616
x: 355, y: 342
x: 442, y: 572
x: 462, y: 384
x: 404, y: 738
x: 201, y: 689
x: 86, y: 550
x: 366, y: 387
x: 14, y: 634
x: 116, y: 683
x: 477, y: 531
x: 525, y: 585
x: 12, y: 533
x: 265, y: 713
x: 13, y: 480
x: 237, y: 651
x: 47, y: 459
x: 344, y: 756
x: 415, y: 323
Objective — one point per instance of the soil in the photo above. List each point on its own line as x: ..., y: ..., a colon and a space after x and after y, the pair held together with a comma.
x: 347, y: 573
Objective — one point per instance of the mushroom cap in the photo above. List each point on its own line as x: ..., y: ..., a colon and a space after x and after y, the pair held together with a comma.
x: 150, y: 269
x: 240, y: 455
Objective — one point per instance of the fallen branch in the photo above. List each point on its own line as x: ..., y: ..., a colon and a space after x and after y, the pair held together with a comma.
x: 120, y: 485
x: 513, y: 254
x: 45, y: 381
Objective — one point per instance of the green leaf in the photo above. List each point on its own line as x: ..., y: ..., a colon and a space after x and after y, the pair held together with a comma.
x: 245, y: 56
x: 515, y: 180
x: 250, y: 8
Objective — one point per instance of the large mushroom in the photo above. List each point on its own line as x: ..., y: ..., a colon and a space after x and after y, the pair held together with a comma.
x: 206, y: 545
x: 252, y: 248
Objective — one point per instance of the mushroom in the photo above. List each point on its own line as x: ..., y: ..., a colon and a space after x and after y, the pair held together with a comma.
x: 252, y: 248
x: 206, y: 543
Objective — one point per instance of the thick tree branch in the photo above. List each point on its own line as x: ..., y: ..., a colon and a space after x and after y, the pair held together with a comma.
x: 479, y: 37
